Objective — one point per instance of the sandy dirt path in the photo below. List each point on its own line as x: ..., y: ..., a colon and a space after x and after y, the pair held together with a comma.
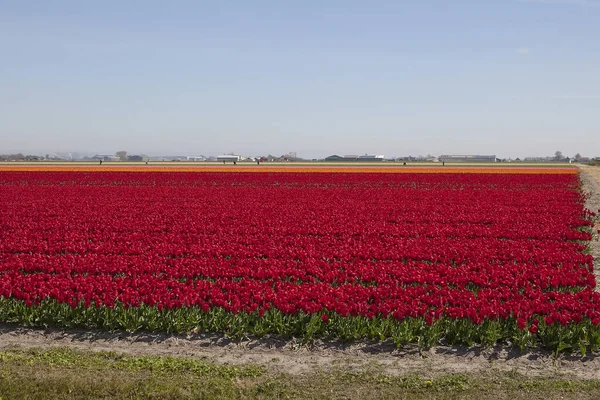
x: 294, y: 358
x: 590, y: 179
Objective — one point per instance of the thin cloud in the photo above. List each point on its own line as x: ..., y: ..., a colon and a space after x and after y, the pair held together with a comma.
x: 523, y: 50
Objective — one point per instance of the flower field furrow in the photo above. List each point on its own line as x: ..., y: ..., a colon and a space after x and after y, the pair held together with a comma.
x: 416, y: 257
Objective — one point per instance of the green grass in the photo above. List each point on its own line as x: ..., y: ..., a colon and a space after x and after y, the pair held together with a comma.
x: 57, y: 357
x: 62, y: 373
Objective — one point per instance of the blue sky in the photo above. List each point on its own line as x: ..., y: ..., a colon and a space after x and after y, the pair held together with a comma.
x: 508, y: 77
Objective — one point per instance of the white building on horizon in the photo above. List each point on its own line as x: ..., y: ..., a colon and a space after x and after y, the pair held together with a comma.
x: 371, y: 157
x: 228, y: 158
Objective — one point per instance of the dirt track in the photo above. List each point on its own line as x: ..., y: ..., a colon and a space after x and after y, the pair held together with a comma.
x: 293, y: 358
x: 590, y: 178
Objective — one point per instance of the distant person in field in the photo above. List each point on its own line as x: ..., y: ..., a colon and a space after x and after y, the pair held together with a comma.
x: 257, y: 161
x: 100, y: 162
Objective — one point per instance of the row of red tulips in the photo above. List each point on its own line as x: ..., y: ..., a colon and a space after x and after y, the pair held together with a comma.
x: 381, y: 247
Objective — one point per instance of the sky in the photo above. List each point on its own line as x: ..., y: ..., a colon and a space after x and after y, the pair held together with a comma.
x: 514, y: 78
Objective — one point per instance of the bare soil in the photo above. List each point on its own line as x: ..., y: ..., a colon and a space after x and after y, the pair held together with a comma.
x: 295, y: 358
x: 292, y: 357
x: 590, y: 179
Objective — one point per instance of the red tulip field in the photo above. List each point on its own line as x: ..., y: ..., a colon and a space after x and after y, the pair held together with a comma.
x: 425, y: 258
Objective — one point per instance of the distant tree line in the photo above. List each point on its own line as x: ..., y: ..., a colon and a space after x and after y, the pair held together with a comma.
x: 558, y: 156
x: 20, y: 157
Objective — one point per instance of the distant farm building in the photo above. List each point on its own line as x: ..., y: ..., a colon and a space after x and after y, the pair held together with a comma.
x: 335, y: 157
x: 467, y: 158
x: 353, y: 158
x: 371, y: 158
x: 228, y: 158
x: 106, y: 157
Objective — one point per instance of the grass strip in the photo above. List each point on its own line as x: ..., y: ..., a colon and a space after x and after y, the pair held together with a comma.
x: 62, y: 373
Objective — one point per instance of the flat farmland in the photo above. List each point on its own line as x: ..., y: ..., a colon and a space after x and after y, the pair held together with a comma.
x: 449, y: 257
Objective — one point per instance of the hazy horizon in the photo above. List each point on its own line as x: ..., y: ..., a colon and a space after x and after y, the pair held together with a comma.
x: 81, y: 154
x: 514, y: 78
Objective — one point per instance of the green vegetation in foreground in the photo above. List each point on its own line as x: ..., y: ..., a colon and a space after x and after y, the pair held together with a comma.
x: 62, y: 373
x: 574, y: 337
